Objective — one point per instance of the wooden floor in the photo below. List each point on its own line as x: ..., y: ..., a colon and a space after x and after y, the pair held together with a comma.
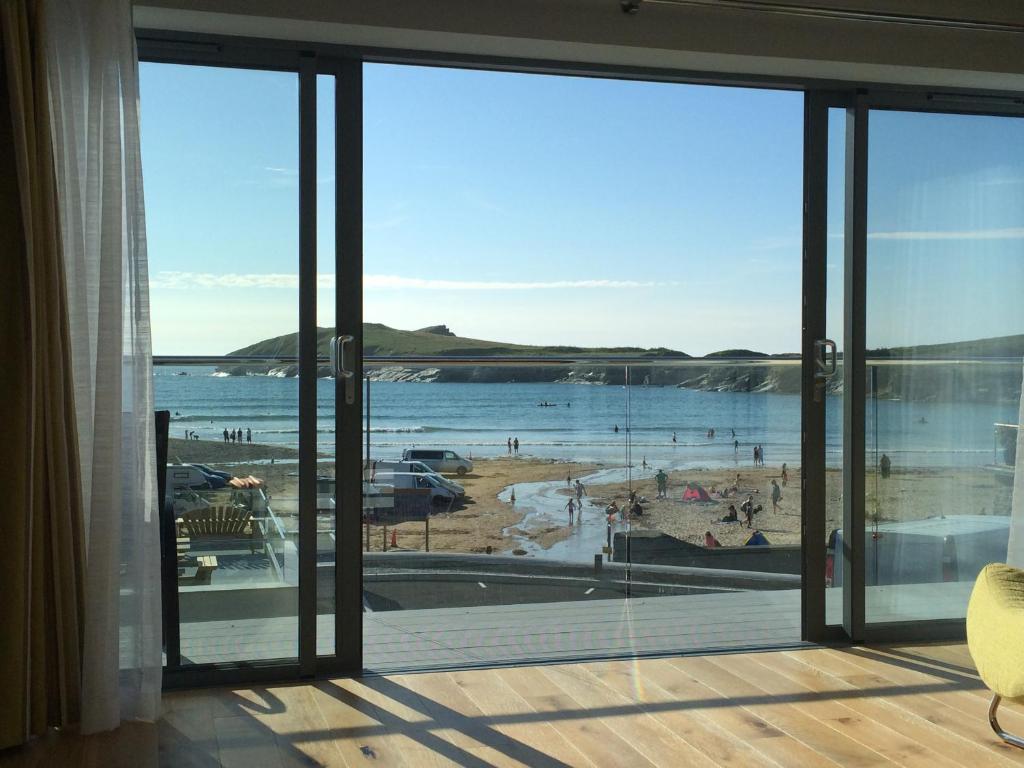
x: 908, y: 706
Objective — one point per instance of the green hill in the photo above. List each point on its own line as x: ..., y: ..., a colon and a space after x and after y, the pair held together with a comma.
x: 953, y: 382
x: 436, y: 341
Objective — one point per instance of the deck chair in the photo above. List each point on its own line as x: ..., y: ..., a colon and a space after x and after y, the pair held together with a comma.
x: 223, y: 521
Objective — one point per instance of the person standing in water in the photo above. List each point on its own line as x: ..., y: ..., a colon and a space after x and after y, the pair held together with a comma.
x: 580, y: 492
x: 571, y: 506
x: 757, y: 455
x: 616, y: 429
x: 515, y: 446
x: 760, y: 453
x: 674, y: 441
x: 510, y: 446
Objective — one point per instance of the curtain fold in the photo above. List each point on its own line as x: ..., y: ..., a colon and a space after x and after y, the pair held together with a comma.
x: 92, y: 67
x: 42, y: 564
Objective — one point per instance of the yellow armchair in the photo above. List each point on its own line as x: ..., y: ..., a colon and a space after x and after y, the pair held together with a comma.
x: 995, y: 636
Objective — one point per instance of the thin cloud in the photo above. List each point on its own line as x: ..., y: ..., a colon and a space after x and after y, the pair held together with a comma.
x: 209, y: 280
x: 396, y: 281
x: 1007, y: 233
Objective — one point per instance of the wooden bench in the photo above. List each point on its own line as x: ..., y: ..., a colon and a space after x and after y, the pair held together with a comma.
x: 224, y: 521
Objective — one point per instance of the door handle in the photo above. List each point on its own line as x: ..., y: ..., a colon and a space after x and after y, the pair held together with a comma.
x: 825, y: 356
x: 824, y: 367
x: 342, y: 369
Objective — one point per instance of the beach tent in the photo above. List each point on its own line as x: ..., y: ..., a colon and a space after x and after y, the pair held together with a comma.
x: 694, y: 492
x: 756, y: 539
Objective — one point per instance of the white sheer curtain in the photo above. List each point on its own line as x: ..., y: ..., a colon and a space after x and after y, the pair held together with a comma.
x: 94, y: 93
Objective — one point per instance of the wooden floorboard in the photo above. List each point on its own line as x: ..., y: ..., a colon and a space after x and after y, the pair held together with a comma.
x: 911, y: 706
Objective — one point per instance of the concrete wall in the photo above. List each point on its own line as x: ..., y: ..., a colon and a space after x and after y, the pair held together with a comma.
x: 656, y: 548
x: 713, y: 38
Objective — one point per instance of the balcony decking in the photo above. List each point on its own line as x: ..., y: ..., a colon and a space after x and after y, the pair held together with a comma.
x: 550, y: 632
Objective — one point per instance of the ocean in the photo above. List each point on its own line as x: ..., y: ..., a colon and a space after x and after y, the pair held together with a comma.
x: 476, y: 420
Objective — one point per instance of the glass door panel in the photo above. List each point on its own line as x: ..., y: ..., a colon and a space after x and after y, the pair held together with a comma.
x: 945, y: 259
x: 220, y: 153
x: 524, y: 277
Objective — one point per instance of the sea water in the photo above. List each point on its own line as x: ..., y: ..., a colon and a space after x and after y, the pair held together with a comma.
x: 579, y: 424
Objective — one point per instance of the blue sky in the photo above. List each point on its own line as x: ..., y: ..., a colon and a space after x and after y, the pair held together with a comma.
x: 556, y: 210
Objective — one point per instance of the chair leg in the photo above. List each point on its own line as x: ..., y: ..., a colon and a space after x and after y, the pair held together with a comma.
x: 1009, y: 738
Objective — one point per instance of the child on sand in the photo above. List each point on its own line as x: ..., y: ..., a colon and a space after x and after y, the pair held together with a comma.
x: 571, y: 506
x: 711, y: 541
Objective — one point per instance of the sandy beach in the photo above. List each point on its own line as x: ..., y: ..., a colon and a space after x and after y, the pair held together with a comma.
x: 483, y: 520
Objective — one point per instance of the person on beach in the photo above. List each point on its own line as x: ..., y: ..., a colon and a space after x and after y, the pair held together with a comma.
x: 515, y: 446
x: 232, y: 435
x: 757, y: 455
x: 785, y: 475
x: 760, y: 453
x: 225, y: 435
x: 612, y: 510
x: 711, y: 541
x: 747, y: 508
x: 568, y: 480
x: 674, y: 441
x: 616, y: 429
x: 643, y: 464
x: 885, y: 465
x: 662, y: 480
x: 733, y: 516
x: 510, y: 446
x: 571, y: 506
x: 248, y: 436
x: 776, y: 496
x: 580, y: 492
x: 733, y: 432
x: 512, y: 498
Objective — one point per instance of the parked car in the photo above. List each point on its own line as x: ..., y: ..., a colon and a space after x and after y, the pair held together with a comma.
x: 192, y: 476
x: 400, y: 481
x: 211, y: 471
x: 439, y: 460
x: 416, y: 467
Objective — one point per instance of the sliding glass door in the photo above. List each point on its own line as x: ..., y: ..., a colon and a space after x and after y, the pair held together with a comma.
x: 223, y: 237
x: 929, y: 366
x: 944, y: 344
x: 581, y: 347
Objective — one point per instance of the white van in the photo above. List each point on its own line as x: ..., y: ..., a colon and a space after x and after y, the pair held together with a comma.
x: 439, y: 460
x: 405, y: 480
x: 372, y: 468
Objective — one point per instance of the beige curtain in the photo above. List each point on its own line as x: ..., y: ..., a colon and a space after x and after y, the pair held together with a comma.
x: 41, y: 518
